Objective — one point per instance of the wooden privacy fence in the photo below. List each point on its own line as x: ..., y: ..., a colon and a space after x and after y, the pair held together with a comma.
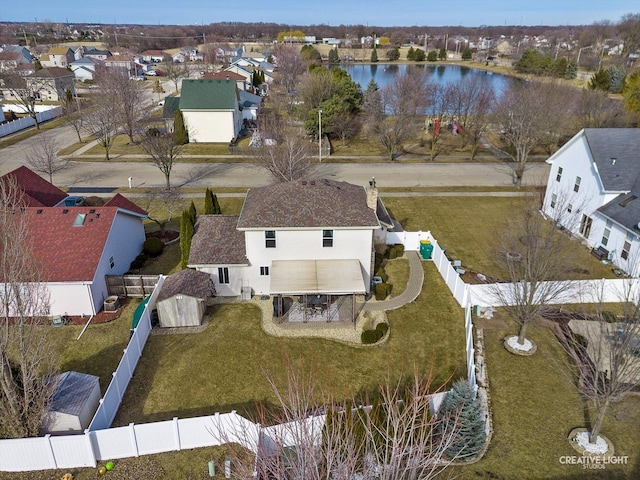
x: 139, y: 286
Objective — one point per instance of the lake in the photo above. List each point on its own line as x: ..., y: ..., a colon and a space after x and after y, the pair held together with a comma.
x: 384, y: 73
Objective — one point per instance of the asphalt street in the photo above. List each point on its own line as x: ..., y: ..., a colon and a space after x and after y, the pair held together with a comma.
x: 81, y: 174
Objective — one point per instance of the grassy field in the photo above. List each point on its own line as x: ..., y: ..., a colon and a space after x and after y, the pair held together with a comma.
x: 534, y: 408
x: 468, y: 226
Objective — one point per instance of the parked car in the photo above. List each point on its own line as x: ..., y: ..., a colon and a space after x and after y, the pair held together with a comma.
x: 151, y: 73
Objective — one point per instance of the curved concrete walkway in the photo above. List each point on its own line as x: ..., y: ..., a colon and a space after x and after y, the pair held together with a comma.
x: 414, y: 287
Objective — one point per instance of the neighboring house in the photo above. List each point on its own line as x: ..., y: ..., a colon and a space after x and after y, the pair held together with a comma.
x: 188, y: 54
x: 76, y: 246
x: 58, y: 57
x: 250, y: 104
x: 241, y: 81
x: 306, y: 237
x: 245, y: 72
x: 11, y: 59
x: 211, y: 110
x: 255, y: 64
x: 182, y: 298
x: 51, y: 84
x: 155, y: 56
x: 85, y: 68
x: 593, y: 191
x: 123, y: 62
x: 96, y: 53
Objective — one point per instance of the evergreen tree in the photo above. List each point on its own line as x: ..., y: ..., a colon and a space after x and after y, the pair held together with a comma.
x: 466, y: 54
x: 461, y: 408
x: 334, y: 58
x: 179, y: 130
x: 374, y: 55
x: 393, y: 54
x: 617, y: 76
x: 442, y: 54
x: 432, y: 56
x: 601, y: 80
x: 572, y: 70
x: 529, y: 62
x: 410, y: 54
x: 216, y: 206
x: 193, y: 213
x: 559, y: 67
x: 419, y: 55
x: 208, y: 202
x: 186, y: 234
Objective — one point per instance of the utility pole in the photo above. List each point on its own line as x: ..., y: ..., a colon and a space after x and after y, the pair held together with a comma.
x: 320, y: 135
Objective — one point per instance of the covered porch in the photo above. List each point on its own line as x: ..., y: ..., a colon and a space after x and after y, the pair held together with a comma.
x: 316, y: 290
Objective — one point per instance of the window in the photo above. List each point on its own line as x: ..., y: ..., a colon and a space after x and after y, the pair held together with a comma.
x: 554, y: 199
x: 626, y: 248
x: 576, y: 186
x: 607, y: 233
x: 327, y: 238
x: 111, y: 262
x: 585, y: 226
x: 569, y: 208
x: 559, y: 175
x: 270, y: 239
x: 223, y: 275
x: 264, y: 271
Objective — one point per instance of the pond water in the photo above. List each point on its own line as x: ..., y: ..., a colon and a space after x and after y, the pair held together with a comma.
x: 384, y: 73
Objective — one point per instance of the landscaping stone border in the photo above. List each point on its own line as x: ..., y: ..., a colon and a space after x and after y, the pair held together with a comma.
x: 515, y: 351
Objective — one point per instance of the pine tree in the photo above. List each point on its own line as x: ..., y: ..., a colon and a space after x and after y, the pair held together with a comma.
x: 334, y: 58
x: 216, y: 206
x: 432, y: 56
x: 419, y: 55
x: 374, y: 55
x: 466, y: 54
x: 193, y: 213
x: 209, y: 207
x: 601, y: 80
x: 572, y: 70
x: 461, y: 410
x: 186, y: 234
x: 442, y: 54
x: 410, y: 54
x: 179, y: 130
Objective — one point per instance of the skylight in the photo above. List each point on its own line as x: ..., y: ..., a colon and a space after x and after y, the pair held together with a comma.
x: 79, y: 221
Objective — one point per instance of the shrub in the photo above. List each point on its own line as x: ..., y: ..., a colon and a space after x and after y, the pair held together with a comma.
x: 383, y: 328
x: 396, y: 251
x: 138, y: 263
x: 382, y: 274
x: 369, y: 337
x: 153, y: 246
x: 381, y: 290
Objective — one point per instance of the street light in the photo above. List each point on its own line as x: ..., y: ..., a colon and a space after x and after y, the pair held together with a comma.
x: 579, y: 52
x: 320, y: 135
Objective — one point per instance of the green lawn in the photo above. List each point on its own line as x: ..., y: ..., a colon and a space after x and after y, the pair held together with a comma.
x: 534, y: 408
x: 468, y: 227
x: 223, y: 368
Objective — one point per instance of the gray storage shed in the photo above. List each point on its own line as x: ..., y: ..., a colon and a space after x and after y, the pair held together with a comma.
x: 74, y: 403
x: 182, y: 300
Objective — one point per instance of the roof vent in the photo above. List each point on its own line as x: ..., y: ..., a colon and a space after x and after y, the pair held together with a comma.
x: 66, y: 210
x: 93, y: 210
x: 613, y: 160
x: 304, y: 182
x: 39, y: 211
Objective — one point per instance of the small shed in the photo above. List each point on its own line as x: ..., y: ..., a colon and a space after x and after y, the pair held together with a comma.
x: 181, y: 302
x: 74, y: 403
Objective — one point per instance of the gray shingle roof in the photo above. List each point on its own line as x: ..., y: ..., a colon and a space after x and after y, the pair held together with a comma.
x: 307, y: 203
x: 208, y: 95
x: 186, y: 282
x: 616, y: 152
x: 217, y: 242
x: 72, y: 392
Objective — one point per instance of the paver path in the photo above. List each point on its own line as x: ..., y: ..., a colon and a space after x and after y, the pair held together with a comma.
x: 414, y: 287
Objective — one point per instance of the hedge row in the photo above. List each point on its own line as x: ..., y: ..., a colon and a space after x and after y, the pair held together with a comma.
x: 369, y: 337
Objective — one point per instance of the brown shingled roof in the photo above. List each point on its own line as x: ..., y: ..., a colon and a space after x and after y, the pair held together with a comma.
x: 37, y: 191
x: 187, y: 282
x: 307, y: 203
x: 223, y: 76
x: 217, y: 242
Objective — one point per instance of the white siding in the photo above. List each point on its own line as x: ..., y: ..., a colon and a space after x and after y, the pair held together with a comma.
x: 180, y: 311
x: 71, y: 299
x: 305, y: 245
x: 212, y: 127
x: 231, y: 289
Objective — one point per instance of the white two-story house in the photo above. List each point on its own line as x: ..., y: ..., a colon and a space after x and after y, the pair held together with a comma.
x: 300, y: 238
x: 593, y: 191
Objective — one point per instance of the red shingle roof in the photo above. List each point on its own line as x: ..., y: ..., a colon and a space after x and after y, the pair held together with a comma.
x: 37, y: 191
x: 66, y: 252
x: 223, y: 76
x: 126, y: 204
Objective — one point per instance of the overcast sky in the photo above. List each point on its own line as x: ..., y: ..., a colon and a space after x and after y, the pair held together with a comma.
x: 471, y: 13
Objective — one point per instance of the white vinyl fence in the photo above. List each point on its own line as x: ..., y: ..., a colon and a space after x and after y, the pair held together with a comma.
x: 26, y: 122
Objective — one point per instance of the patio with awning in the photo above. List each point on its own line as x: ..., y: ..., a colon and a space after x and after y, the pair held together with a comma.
x: 316, y: 287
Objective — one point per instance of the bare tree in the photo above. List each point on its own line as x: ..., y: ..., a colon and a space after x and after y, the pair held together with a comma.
x: 102, y: 123
x: 176, y: 72
x: 25, y: 91
x: 286, y: 156
x: 290, y: 67
x: 403, y: 101
x: 171, y: 201
x: 533, y: 255
x: 441, y: 98
x: 315, y: 437
x: 75, y: 114
x: 531, y: 113
x: 43, y: 156
x: 605, y: 348
x: 125, y: 95
x: 164, y: 150
x: 27, y: 364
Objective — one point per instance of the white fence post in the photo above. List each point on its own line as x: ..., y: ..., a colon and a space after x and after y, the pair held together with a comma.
x: 176, y: 430
x: 87, y: 436
x: 52, y: 456
x: 134, y: 442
